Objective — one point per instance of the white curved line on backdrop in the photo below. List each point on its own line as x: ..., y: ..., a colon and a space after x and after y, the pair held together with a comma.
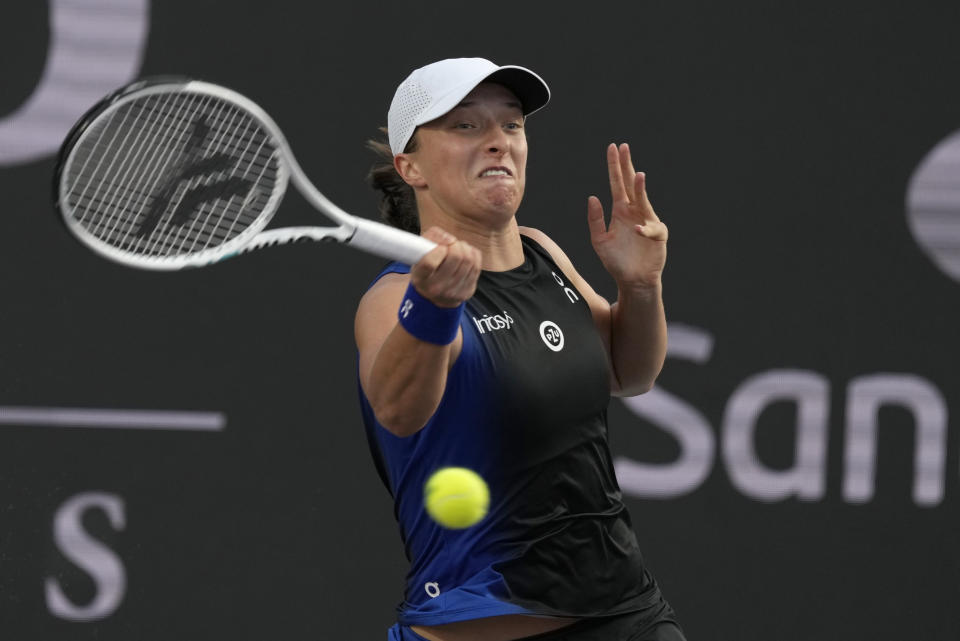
x: 96, y: 46
x: 112, y: 418
x: 933, y: 205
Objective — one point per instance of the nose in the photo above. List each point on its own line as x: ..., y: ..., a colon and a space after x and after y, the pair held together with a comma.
x: 498, y: 142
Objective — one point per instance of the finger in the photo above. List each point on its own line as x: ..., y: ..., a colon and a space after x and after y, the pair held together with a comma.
x: 468, y: 285
x: 653, y: 231
x: 598, y: 227
x: 428, y: 265
x: 627, y: 170
x: 473, y: 274
x: 463, y: 260
x: 423, y: 269
x: 455, y: 264
x: 617, y: 189
x: 474, y: 267
x: 477, y: 263
x: 439, y: 236
x: 457, y: 280
x: 440, y: 287
x: 640, y: 187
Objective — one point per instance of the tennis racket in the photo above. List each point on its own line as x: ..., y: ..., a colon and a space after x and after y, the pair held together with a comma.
x: 168, y: 173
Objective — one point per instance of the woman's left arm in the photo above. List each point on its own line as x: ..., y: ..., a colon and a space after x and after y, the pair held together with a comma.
x: 633, y: 249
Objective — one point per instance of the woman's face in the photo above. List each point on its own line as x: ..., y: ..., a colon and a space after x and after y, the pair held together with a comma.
x: 472, y: 160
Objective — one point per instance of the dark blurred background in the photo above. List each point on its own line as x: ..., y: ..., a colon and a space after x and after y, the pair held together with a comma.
x: 792, y: 477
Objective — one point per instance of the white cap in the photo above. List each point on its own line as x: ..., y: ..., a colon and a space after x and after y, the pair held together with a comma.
x: 431, y: 91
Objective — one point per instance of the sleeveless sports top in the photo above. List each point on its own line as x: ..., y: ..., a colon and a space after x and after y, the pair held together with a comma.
x: 525, y: 407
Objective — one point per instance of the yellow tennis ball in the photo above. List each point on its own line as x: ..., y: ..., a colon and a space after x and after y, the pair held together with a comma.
x: 456, y: 497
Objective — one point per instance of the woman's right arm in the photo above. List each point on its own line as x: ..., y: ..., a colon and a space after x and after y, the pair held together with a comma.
x: 404, y: 376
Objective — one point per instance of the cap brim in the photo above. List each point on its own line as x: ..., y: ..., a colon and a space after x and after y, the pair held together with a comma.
x: 527, y: 86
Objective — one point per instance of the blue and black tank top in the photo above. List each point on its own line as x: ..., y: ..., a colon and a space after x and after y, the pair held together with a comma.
x: 525, y: 406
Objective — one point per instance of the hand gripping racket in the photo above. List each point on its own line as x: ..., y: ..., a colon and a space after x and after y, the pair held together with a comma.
x: 172, y: 173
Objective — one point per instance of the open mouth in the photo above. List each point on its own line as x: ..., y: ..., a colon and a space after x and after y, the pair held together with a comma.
x: 495, y: 171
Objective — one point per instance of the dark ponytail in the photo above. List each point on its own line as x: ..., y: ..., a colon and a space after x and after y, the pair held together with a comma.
x: 398, y: 205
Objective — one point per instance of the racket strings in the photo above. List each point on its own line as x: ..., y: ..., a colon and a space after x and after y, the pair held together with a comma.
x: 156, y: 166
x: 190, y: 179
x: 207, y: 226
x: 236, y: 186
x: 171, y: 173
x: 145, y: 163
x: 96, y: 200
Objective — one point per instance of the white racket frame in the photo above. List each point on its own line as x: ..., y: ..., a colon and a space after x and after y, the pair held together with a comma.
x: 361, y: 233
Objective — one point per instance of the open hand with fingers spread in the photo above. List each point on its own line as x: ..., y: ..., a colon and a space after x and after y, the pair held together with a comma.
x: 633, y: 247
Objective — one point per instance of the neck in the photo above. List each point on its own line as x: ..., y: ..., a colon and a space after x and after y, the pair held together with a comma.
x: 500, y: 244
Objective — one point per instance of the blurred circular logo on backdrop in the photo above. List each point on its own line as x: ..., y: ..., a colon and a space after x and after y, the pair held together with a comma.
x: 95, y: 47
x: 933, y: 205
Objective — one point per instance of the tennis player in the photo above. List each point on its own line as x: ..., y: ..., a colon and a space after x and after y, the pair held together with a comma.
x: 493, y: 353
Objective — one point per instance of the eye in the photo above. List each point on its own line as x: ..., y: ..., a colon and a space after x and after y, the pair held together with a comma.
x: 463, y: 125
x: 514, y: 125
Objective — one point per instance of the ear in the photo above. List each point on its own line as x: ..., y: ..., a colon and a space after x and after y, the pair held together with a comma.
x: 406, y: 166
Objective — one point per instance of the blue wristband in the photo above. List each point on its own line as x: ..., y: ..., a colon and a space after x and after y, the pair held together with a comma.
x: 424, y: 320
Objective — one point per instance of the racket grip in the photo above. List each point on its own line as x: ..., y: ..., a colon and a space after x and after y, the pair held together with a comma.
x: 389, y: 242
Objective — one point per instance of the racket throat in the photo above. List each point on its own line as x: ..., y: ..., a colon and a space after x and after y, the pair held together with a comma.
x: 289, y: 235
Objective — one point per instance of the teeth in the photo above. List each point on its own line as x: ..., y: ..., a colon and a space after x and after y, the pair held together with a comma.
x: 495, y: 172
